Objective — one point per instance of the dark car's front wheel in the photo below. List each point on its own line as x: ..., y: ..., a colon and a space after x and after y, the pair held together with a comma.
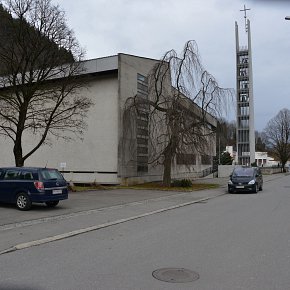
x: 23, y: 201
x: 52, y: 203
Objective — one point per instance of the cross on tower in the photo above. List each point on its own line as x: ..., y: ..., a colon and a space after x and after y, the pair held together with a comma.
x: 245, y: 10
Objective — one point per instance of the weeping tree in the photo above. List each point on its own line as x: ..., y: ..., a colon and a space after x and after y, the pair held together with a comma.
x: 40, y: 60
x: 260, y: 141
x: 183, y: 99
x: 277, y: 134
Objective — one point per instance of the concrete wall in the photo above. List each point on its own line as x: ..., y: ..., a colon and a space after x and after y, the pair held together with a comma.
x: 225, y: 170
x: 99, y: 156
x: 271, y: 170
x: 98, y: 150
x: 129, y: 67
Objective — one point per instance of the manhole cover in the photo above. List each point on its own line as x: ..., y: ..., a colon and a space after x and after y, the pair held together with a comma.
x: 175, y: 275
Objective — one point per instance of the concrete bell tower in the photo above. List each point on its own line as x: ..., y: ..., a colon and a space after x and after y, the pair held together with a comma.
x: 245, y: 98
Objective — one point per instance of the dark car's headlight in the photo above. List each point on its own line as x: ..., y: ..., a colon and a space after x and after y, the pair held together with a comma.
x: 230, y: 182
x: 252, y: 181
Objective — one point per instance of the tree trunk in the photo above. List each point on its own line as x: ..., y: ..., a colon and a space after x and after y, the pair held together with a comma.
x: 17, y: 150
x: 18, y: 156
x: 283, y: 167
x: 167, y: 170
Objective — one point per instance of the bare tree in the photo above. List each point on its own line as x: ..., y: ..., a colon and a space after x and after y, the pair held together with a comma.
x: 183, y: 98
x: 39, y: 91
x: 277, y: 133
x: 260, y: 141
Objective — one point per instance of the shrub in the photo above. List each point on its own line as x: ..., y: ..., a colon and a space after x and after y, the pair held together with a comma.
x: 182, y: 183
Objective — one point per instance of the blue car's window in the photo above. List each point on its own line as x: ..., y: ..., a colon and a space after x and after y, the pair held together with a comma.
x: 26, y: 175
x: 50, y: 174
x: 11, y: 175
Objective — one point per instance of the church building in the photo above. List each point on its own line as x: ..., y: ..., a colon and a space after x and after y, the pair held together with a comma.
x: 100, y: 155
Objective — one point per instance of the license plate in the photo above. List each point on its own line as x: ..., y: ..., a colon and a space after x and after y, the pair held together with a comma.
x: 56, y: 191
x: 240, y: 186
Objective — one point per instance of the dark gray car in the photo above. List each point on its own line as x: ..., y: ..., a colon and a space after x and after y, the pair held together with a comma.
x: 245, y: 179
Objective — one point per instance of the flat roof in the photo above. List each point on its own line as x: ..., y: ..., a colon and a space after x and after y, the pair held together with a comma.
x: 91, y: 66
x: 100, y: 64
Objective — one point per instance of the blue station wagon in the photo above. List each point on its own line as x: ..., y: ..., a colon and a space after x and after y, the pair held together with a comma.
x: 25, y: 185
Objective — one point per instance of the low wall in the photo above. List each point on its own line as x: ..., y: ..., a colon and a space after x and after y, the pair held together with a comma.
x: 225, y: 170
x: 271, y: 170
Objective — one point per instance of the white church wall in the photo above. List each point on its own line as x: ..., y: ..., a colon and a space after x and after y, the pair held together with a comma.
x: 98, y: 150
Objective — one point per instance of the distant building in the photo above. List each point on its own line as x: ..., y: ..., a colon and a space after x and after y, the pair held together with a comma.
x: 105, y: 155
x: 262, y: 159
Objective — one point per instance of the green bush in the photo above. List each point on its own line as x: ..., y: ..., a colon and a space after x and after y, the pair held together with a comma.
x: 182, y: 183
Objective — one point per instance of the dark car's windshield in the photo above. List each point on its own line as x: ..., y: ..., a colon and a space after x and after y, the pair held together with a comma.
x: 50, y: 174
x: 243, y: 171
x: 1, y: 172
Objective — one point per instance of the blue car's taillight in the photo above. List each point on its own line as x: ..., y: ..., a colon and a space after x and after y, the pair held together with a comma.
x: 39, y: 185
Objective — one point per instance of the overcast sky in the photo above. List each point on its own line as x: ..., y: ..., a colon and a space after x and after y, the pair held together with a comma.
x: 152, y: 27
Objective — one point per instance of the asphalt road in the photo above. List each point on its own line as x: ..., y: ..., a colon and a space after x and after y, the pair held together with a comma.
x: 237, y: 241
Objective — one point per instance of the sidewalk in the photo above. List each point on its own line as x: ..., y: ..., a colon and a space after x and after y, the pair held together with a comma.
x: 99, y: 199
x: 89, y: 211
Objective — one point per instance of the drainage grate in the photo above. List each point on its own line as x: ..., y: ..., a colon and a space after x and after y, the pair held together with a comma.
x: 175, y: 275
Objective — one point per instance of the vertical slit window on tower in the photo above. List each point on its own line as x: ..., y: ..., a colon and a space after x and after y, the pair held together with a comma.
x: 244, y: 98
x: 243, y: 59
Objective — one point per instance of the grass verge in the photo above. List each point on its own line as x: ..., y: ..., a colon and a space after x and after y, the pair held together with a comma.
x: 147, y: 186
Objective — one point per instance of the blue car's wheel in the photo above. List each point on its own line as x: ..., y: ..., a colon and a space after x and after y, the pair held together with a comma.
x: 23, y: 201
